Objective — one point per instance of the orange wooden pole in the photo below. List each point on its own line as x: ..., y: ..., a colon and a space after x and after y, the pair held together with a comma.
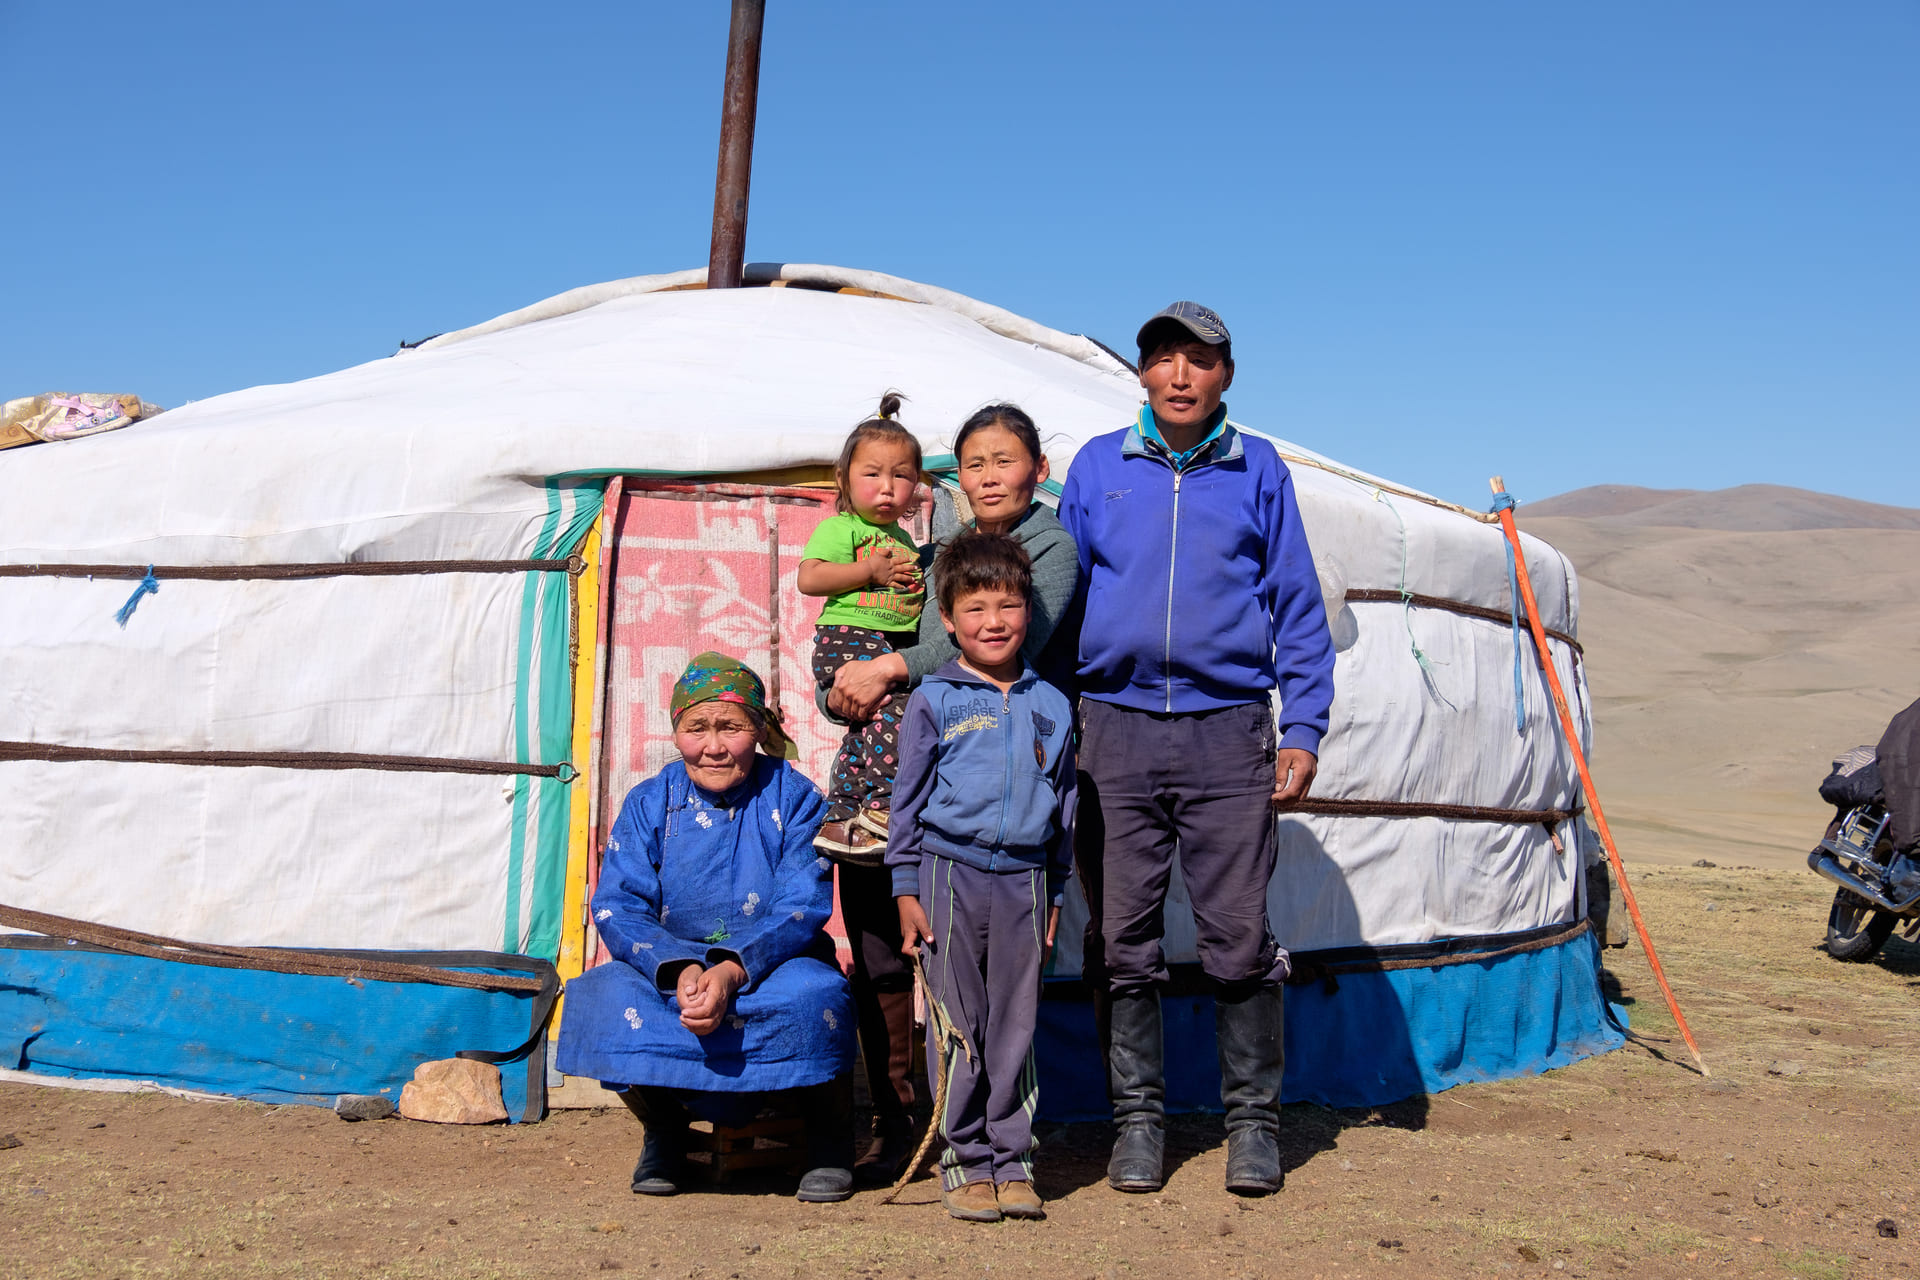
x: 1586, y: 779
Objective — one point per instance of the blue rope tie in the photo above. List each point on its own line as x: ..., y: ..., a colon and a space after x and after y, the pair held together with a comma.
x: 1420, y: 657
x: 148, y: 585
x: 1505, y: 502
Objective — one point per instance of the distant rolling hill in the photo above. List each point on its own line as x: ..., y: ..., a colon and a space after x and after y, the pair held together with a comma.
x: 1736, y: 640
x: 1756, y: 508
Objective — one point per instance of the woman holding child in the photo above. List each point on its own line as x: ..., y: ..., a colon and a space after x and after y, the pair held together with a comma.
x: 1000, y: 466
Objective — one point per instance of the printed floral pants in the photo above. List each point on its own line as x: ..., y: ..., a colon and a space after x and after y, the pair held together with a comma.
x: 870, y: 753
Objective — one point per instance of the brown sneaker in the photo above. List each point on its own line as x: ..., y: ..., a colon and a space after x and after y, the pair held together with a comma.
x: 973, y: 1202
x: 1019, y: 1200
x: 850, y: 843
x: 874, y: 820
x: 832, y: 836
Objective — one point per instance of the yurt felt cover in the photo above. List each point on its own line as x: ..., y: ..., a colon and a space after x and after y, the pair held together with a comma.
x: 493, y: 447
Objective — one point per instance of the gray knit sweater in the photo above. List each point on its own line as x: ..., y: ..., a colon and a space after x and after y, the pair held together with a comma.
x: 1056, y: 572
x: 1052, y: 650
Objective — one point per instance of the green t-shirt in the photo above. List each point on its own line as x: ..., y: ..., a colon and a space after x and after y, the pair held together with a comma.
x: 847, y: 539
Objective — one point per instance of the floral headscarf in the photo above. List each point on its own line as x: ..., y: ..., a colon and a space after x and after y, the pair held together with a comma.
x: 714, y: 677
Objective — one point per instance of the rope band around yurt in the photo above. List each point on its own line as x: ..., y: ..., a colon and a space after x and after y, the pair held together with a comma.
x: 1502, y: 616
x: 319, y: 964
x: 58, y: 754
x: 355, y: 968
x: 285, y: 572
x: 1308, y: 970
x: 1327, y: 808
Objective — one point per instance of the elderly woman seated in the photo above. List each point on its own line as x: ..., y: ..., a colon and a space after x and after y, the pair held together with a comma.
x: 722, y: 991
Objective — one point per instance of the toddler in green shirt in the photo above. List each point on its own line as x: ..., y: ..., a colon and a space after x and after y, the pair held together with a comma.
x: 869, y: 571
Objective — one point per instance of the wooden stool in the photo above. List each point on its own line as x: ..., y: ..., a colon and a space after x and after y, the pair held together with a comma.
x: 769, y: 1142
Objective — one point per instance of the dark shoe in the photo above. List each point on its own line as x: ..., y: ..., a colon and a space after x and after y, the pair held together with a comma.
x: 973, y: 1202
x: 1249, y: 1029
x: 662, y: 1165
x: 1136, y: 1083
x: 1019, y: 1200
x: 889, y: 1056
x: 1253, y: 1162
x: 1139, y: 1155
x: 826, y: 1186
x: 650, y: 1177
x: 889, y: 1152
x: 828, y: 1109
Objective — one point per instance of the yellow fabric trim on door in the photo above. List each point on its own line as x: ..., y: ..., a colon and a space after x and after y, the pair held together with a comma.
x: 587, y: 641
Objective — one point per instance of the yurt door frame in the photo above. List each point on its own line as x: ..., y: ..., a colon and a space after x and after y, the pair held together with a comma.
x: 677, y: 567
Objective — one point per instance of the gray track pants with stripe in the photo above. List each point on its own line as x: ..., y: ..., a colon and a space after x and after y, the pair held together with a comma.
x: 984, y: 968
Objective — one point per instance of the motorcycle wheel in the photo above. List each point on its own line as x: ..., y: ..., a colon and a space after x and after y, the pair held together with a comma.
x: 1856, y: 929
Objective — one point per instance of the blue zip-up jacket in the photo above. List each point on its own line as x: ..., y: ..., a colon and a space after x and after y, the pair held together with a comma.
x: 1201, y: 591
x: 986, y: 778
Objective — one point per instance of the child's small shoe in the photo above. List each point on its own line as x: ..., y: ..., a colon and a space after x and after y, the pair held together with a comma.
x: 850, y: 843
x: 1019, y: 1200
x: 832, y: 837
x: 972, y: 1202
x: 874, y: 820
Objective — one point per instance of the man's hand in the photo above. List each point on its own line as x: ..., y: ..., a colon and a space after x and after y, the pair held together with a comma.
x: 1293, y: 771
x: 1053, y: 934
x: 706, y: 994
x: 914, y: 924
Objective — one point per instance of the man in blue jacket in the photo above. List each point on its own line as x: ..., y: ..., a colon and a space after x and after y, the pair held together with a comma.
x: 1201, y: 601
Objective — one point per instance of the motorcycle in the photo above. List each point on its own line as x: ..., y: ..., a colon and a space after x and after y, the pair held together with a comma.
x: 1879, y: 889
x: 1870, y: 849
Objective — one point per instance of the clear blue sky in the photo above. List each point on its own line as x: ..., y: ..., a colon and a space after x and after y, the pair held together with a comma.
x: 1660, y: 243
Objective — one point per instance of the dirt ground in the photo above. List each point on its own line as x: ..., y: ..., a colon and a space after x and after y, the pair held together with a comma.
x: 1784, y: 1163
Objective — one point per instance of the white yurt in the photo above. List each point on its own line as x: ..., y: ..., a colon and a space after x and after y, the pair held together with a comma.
x: 319, y: 698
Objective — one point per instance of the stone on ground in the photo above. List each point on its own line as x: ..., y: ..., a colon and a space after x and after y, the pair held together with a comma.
x: 454, y: 1091
x: 362, y: 1106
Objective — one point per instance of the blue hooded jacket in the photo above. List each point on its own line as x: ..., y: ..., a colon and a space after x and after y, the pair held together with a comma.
x: 986, y: 778
x: 1201, y: 590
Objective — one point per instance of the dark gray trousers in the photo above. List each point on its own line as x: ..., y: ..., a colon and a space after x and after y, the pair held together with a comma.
x: 984, y: 968
x: 1199, y: 783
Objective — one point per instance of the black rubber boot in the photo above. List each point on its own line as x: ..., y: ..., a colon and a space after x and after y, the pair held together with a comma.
x: 662, y: 1166
x: 828, y: 1109
x: 1249, y: 1029
x: 889, y: 1059
x: 1137, y: 1085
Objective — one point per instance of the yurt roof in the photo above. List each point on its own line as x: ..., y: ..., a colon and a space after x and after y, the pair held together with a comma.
x: 441, y: 451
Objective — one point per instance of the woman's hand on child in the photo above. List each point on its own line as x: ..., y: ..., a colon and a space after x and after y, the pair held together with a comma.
x: 706, y: 994
x: 914, y: 924
x: 860, y: 687
x: 1293, y: 771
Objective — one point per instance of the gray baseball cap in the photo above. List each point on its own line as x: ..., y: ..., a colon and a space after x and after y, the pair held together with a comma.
x: 1202, y: 322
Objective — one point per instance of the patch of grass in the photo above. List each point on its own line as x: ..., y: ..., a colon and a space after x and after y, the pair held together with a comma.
x: 1815, y: 1265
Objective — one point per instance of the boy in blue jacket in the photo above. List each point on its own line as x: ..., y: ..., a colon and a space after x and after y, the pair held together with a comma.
x: 982, y: 826
x: 1201, y: 601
